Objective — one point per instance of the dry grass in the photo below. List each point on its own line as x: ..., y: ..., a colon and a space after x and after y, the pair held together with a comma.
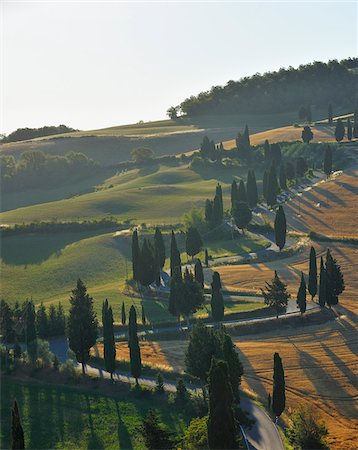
x: 329, y: 208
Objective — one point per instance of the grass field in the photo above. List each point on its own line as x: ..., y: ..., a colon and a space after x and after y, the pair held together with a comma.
x: 67, y: 418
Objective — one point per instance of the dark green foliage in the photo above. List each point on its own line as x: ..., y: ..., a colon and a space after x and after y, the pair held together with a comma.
x: 160, y: 247
x: 30, y: 320
x: 17, y: 350
x: 196, y: 435
x: 275, y: 294
x: 306, y: 432
x: 6, y: 323
x: 242, y: 215
x: 278, y: 390
x: 156, y: 436
x: 18, y: 441
x: 307, y: 134
x: 241, y: 194
x: 193, y: 242
x: 22, y: 134
x: 218, y: 207
x: 41, y: 321
x: 123, y: 314
x: 265, y: 184
x: 322, y: 293
x: 133, y: 344
x: 108, y: 338
x: 339, y: 131
x: 159, y: 385
x: 301, y: 167
x: 290, y: 171
x: 56, y: 364
x: 330, y: 114
x: 175, y: 261
x: 209, y: 205
x: 251, y: 189
x: 217, y: 300
x: 246, y: 136
x: 235, y: 368
x: 144, y: 319
x: 282, y: 177
x: 206, y: 258
x: 181, y: 394
x: 272, y: 187
x: 148, y: 265
x: 355, y: 126
x: 192, y: 296
x: 135, y: 256
x: 327, y: 162
x: 276, y: 155
x: 142, y: 155
x: 234, y: 194
x: 267, y: 153
x: 280, y: 228
x: 199, y: 273
x: 216, y: 282
x: 175, y: 294
x: 221, y: 420
x: 82, y: 324
x: 335, y: 280
x: 349, y: 130
x: 301, y: 295
x: 312, y: 277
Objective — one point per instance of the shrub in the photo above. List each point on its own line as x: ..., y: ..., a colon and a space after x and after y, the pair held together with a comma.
x: 196, y: 435
x: 68, y: 370
x: 306, y: 431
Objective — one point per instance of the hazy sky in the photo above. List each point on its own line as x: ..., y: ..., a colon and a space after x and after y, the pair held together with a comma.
x: 96, y: 64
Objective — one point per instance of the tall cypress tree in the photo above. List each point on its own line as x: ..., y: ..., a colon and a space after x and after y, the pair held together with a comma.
x: 322, y: 293
x: 209, y: 206
x: 175, y: 261
x: 242, y: 215
x: 217, y: 300
x: 339, y: 131
x: 349, y: 130
x: 301, y: 295
x: 312, y: 277
x: 218, y: 207
x: 30, y: 318
x: 109, y: 341
x: 276, y: 154
x: 330, y: 114
x: 251, y: 189
x: 175, y: 293
x: 82, y: 324
x: 235, y: 368
x: 135, y: 255
x: 42, y: 321
x: 280, y: 228
x: 282, y: 177
x: 327, y: 162
x: 133, y: 344
x: 123, y: 314
x: 206, y: 258
x: 221, y: 420
x: 160, y: 247
x: 234, y: 194
x: 17, y: 432
x: 335, y: 280
x: 272, y: 187
x: 148, y: 264
x: 278, y: 391
x: 193, y: 242
x: 265, y: 184
x: 199, y: 273
x: 267, y: 153
x: 242, y: 197
x: 246, y: 136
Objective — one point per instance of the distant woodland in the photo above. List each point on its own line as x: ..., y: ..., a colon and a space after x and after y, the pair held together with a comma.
x: 22, y: 134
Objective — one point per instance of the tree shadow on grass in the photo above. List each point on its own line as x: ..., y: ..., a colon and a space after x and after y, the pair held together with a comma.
x: 94, y: 443
x: 124, y: 438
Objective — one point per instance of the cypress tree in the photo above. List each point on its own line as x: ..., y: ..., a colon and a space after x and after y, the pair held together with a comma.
x: 221, y: 420
x: 192, y: 296
x: 312, y: 278
x: 349, y: 130
x: 209, y: 205
x: 199, y: 273
x: 6, y: 322
x: 144, y: 319
x: 278, y: 392
x: 82, y: 324
x: 193, y: 242
x: 206, y: 258
x: 280, y: 228
x: 148, y: 264
x: 175, y: 261
x: 234, y: 194
x: 327, y: 162
x: 339, y: 131
x: 301, y: 295
x: 242, y: 197
x: 272, y: 187
x: 322, y: 293
x: 217, y: 305
x: 283, y: 178
x: 276, y: 154
x: 17, y: 432
x: 155, y: 435
x: 205, y: 148
x: 218, y: 207
x: 160, y: 247
x: 246, y: 137
x: 267, y: 153
x: 251, y: 189
x: 109, y: 342
x: 335, y: 281
x: 242, y: 215
x: 175, y: 293
x: 235, y: 368
x: 275, y: 294
x: 135, y: 255
x: 330, y: 114
x: 133, y: 344
x: 265, y: 184
x: 42, y: 321
x: 30, y: 322
x: 124, y: 319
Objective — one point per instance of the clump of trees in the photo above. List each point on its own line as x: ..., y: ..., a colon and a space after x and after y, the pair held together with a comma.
x: 37, y: 169
x: 214, y: 209
x: 22, y: 134
x: 306, y: 431
x: 331, y: 281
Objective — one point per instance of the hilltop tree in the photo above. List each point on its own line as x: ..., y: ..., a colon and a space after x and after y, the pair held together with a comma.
x: 322, y: 293
x: 199, y: 273
x: 108, y: 339
x: 283, y: 177
x: 339, y: 131
x: 17, y: 432
x: 218, y: 207
x: 135, y: 255
x: 221, y: 420
x: 301, y: 295
x: 272, y: 187
x: 335, y: 280
x: 175, y: 261
x: 234, y: 194
x: 235, y: 368
x: 278, y: 391
x: 159, y: 247
x: 330, y: 114
x: 217, y: 300
x: 251, y: 189
x: 123, y: 314
x: 82, y: 324
x: 267, y: 153
x: 193, y: 242
x: 280, y: 228
x: 327, y: 162
x: 133, y: 344
x: 349, y: 130
x: 275, y: 294
x: 312, y: 277
x: 307, y: 134
x: 242, y: 215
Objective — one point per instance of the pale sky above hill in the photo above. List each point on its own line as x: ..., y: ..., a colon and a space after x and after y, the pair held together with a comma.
x: 96, y: 64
